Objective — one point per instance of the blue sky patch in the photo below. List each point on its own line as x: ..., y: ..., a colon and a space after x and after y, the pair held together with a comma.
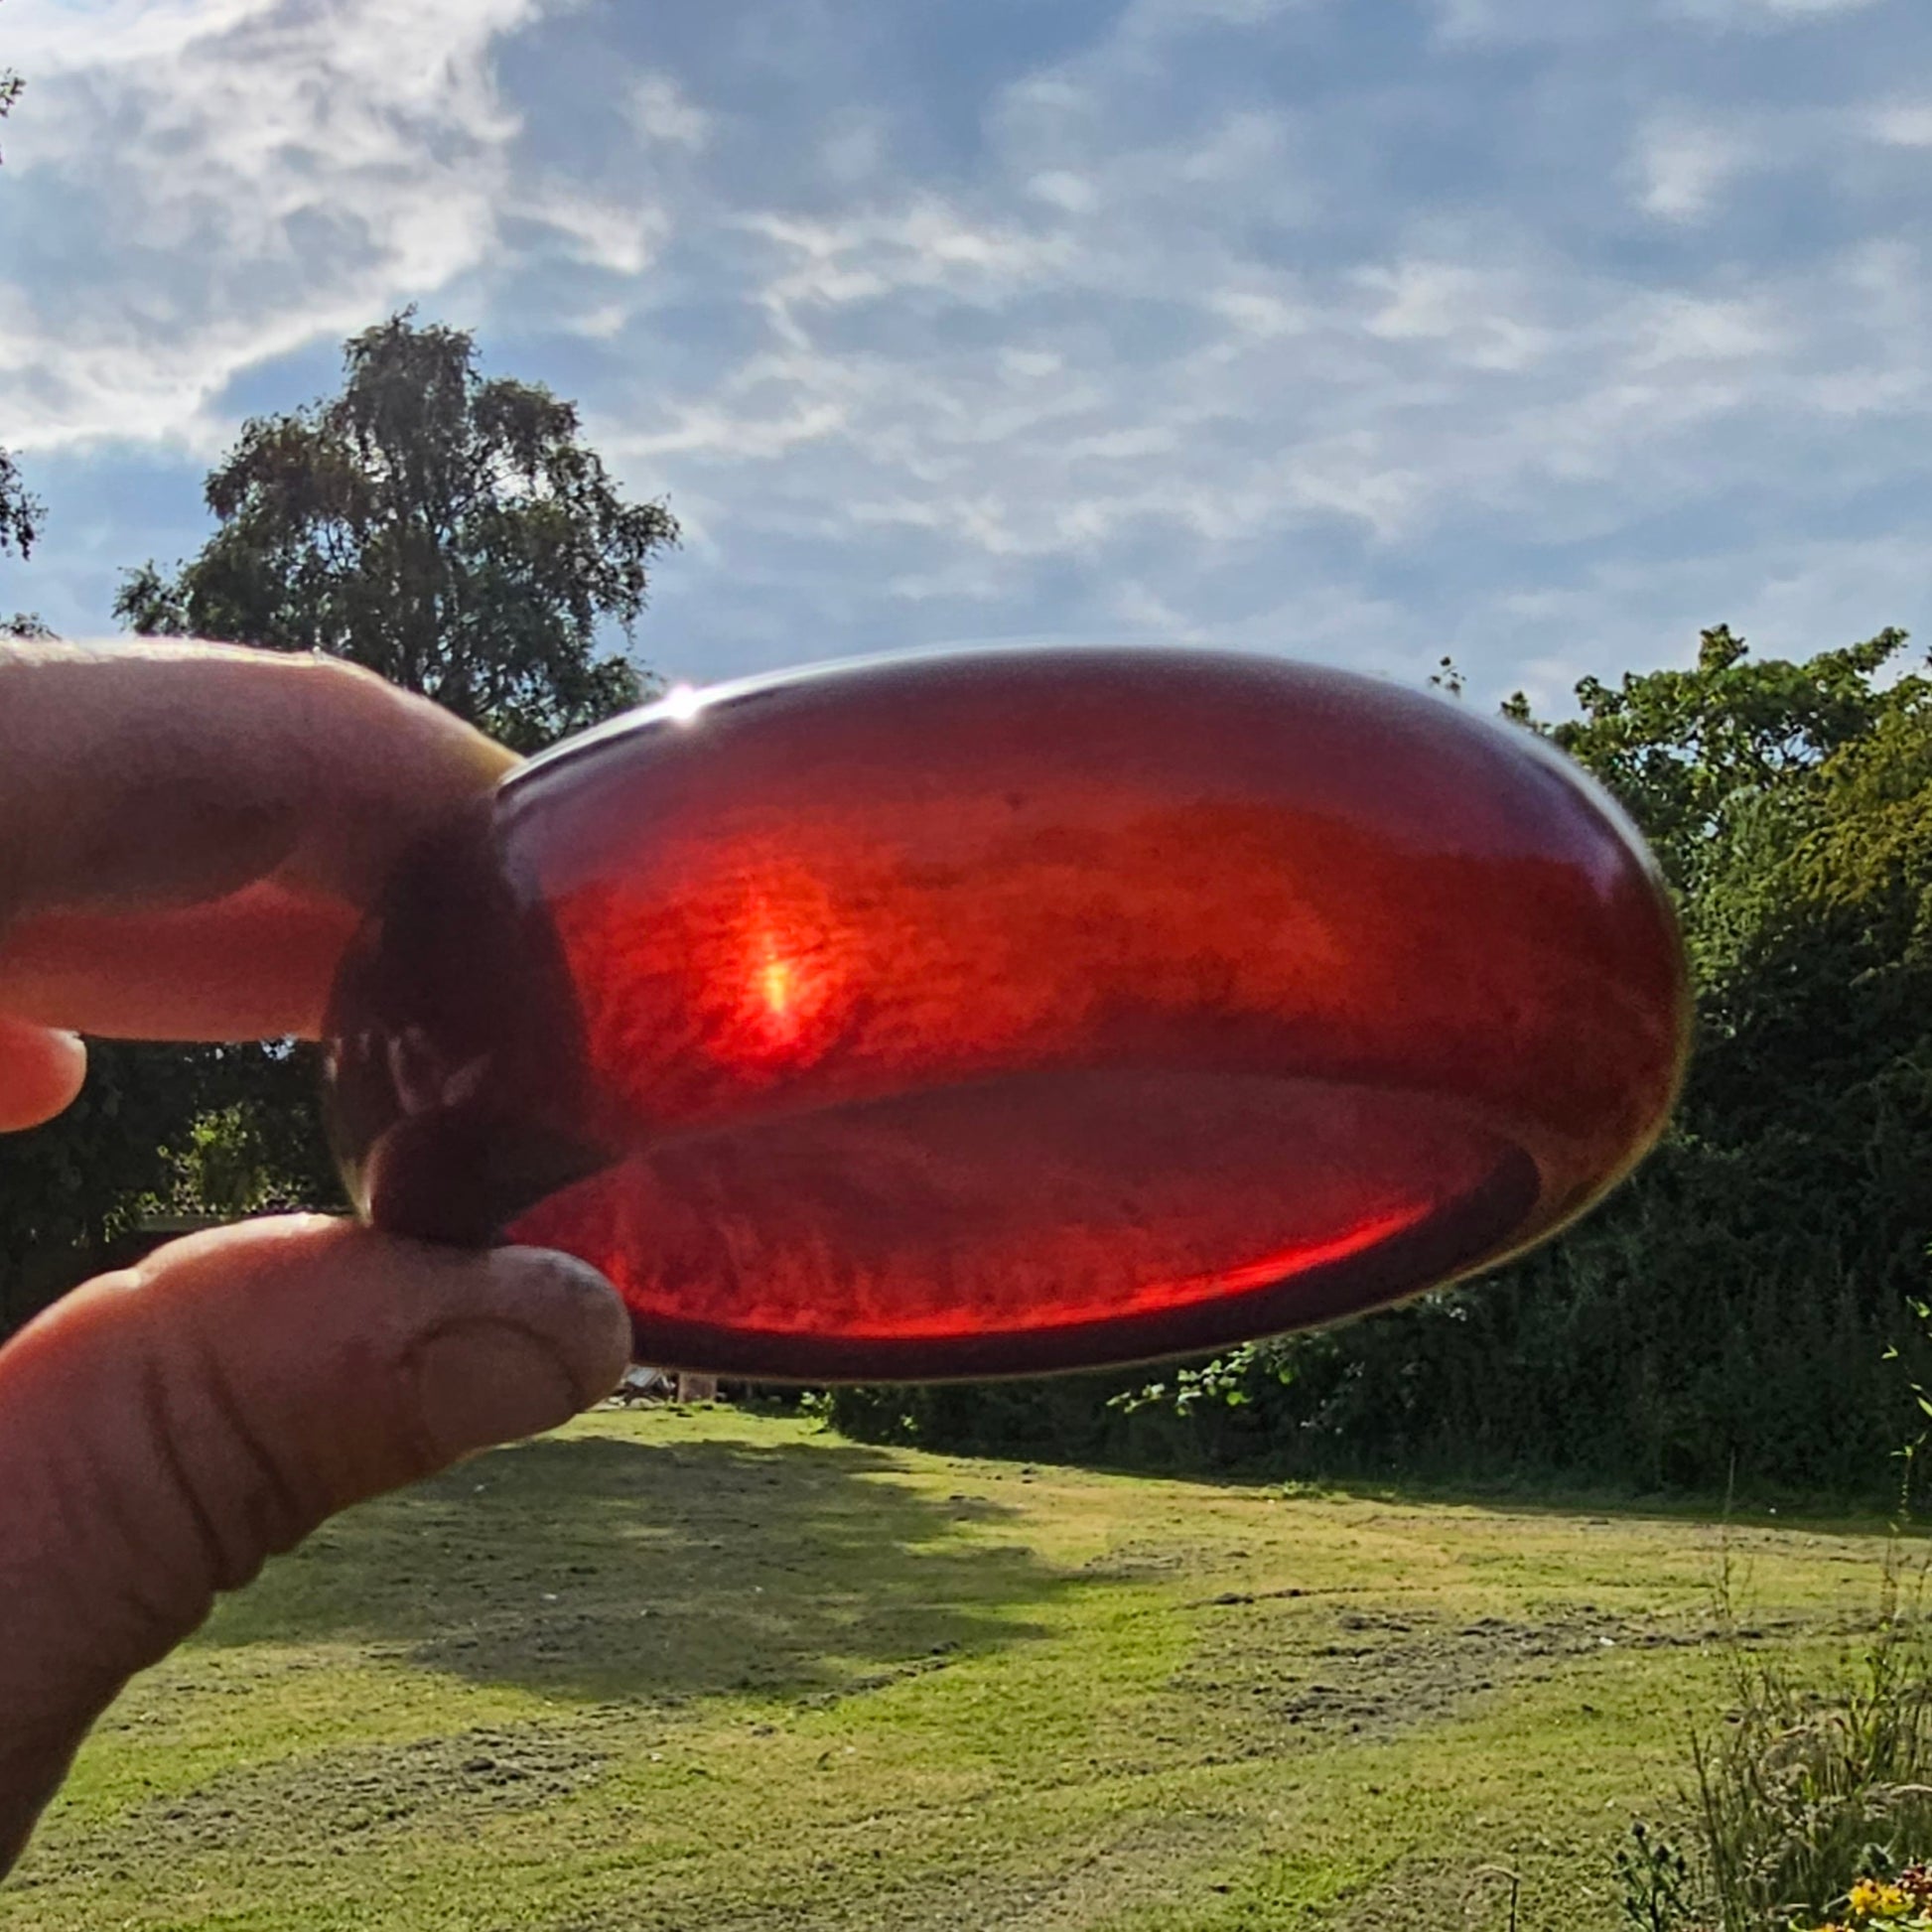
x: 1536, y: 332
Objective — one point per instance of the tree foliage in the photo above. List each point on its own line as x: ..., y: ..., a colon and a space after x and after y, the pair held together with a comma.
x: 452, y: 533
x: 1730, y: 1311
x: 1684, y: 750
x: 20, y: 512
x: 70, y: 1190
x: 20, y: 526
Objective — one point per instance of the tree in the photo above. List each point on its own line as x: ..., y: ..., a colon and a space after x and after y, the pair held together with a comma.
x: 449, y: 531
x: 1729, y: 1310
x: 69, y: 1191
x: 19, y: 512
x: 1681, y: 748
x: 20, y: 524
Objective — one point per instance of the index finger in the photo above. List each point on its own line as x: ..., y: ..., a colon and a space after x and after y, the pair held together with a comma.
x: 188, y: 833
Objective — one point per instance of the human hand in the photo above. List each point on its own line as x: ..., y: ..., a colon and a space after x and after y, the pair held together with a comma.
x: 187, y: 837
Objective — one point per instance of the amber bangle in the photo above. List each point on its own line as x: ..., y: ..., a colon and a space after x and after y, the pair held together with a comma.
x: 1008, y: 1011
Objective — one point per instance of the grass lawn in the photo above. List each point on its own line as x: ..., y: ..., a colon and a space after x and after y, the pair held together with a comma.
x: 712, y: 1670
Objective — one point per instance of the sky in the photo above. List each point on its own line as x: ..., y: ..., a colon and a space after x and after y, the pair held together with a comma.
x: 1534, y: 332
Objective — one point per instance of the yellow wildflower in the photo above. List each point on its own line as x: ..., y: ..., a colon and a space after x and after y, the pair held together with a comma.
x: 1872, y: 1900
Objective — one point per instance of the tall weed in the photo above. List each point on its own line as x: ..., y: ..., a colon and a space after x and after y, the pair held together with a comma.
x: 1813, y: 1782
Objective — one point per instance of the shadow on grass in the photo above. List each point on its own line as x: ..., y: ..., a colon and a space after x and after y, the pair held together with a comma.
x: 1540, y: 1497
x: 608, y: 1568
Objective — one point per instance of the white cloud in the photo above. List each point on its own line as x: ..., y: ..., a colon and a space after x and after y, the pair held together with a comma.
x: 248, y: 178
x: 1766, y: 13
x: 720, y: 436
x: 1902, y: 124
x: 1259, y: 313
x: 665, y: 112
x: 1062, y: 188
x: 1428, y: 350
x: 622, y: 238
x: 1473, y: 22
x: 1475, y: 316
x: 1148, y: 21
x: 1677, y: 329
x: 855, y: 152
x: 1684, y: 165
x: 924, y: 243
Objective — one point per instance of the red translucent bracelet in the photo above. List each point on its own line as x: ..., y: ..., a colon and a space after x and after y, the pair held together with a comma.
x: 1001, y: 1012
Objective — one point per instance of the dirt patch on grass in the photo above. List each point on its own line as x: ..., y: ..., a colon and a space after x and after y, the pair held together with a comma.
x: 347, y: 1796
x: 1281, y: 1666
x: 1149, y: 1863
x: 1141, y: 1561
x: 1132, y: 1864
x: 1455, y: 1897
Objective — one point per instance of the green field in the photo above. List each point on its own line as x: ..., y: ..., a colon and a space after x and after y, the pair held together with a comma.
x: 713, y: 1670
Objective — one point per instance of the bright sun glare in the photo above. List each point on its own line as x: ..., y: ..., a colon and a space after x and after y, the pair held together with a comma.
x: 779, y: 984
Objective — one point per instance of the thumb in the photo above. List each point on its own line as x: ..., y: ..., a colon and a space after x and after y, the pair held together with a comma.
x: 164, y: 1432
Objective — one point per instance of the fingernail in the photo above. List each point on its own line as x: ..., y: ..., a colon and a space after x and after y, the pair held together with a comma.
x: 557, y: 1342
